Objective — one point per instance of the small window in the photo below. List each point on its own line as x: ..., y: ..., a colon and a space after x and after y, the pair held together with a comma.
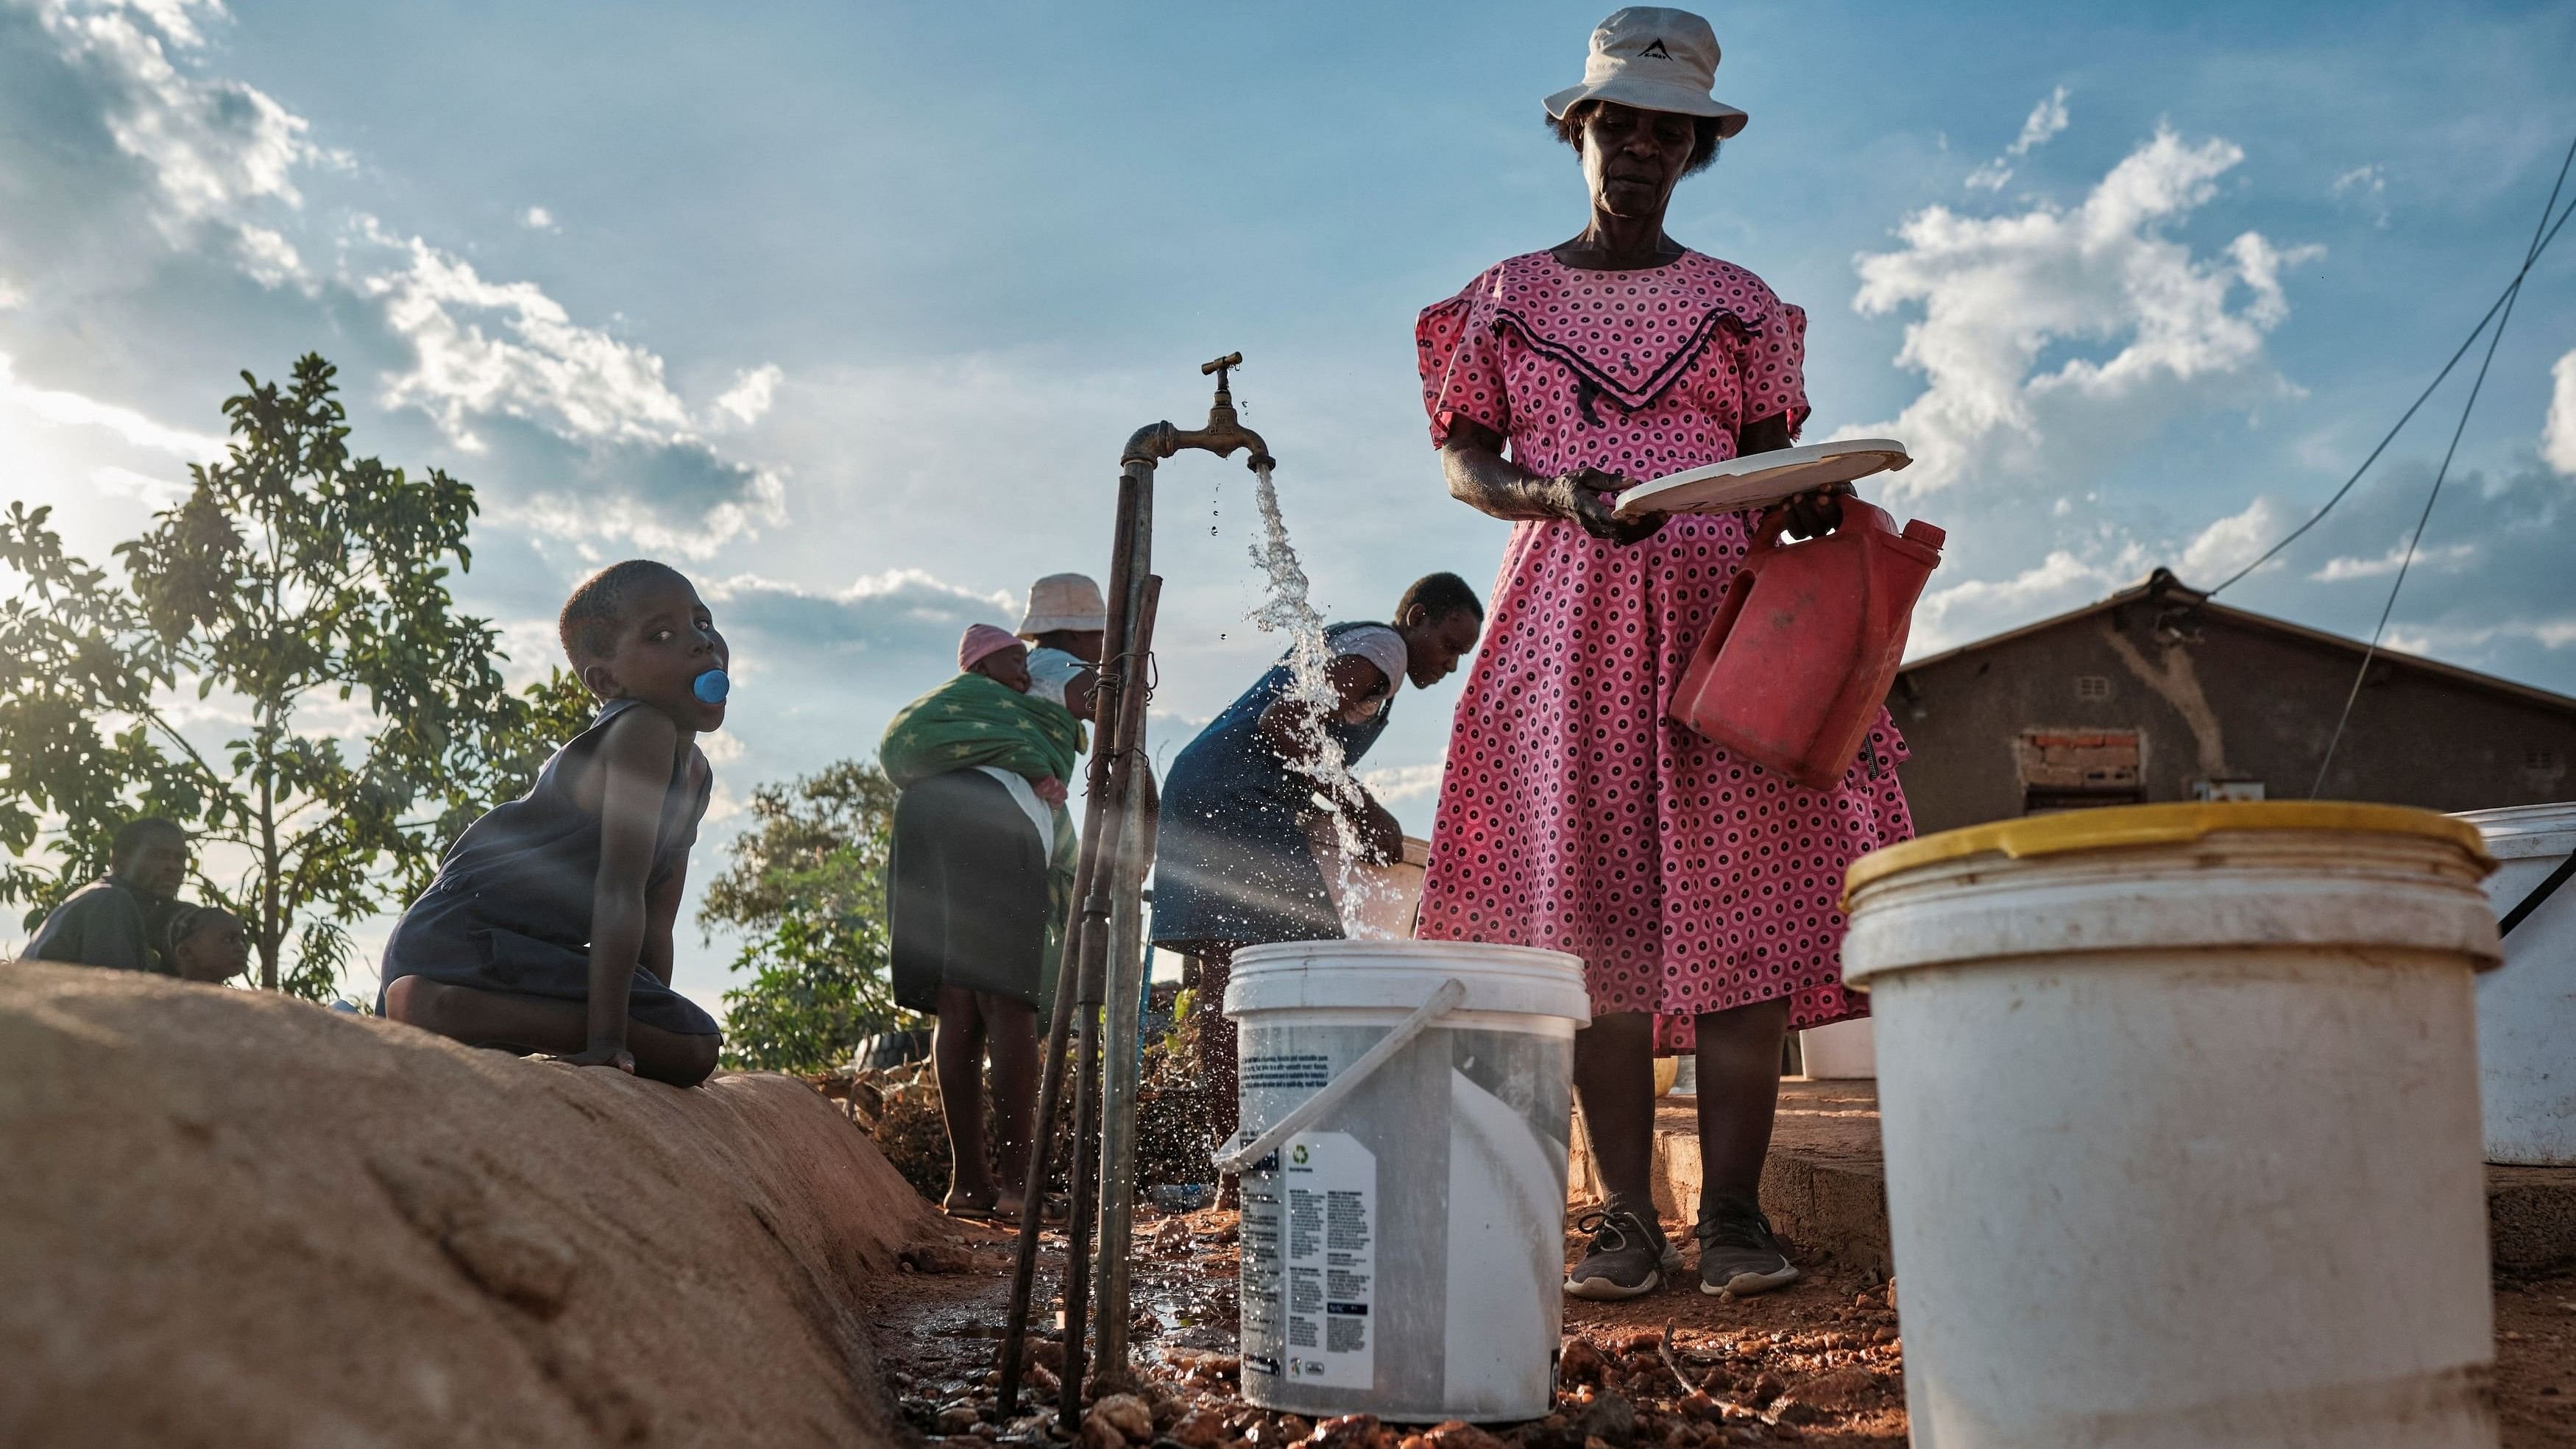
x: 2540, y: 759
x: 2227, y: 789
x: 2092, y: 686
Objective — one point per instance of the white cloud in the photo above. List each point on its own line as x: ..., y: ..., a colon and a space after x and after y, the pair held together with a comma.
x: 269, y: 258
x: 1392, y: 784
x: 485, y: 351
x: 2219, y: 550
x: 2045, y: 120
x: 2558, y: 433
x: 1947, y: 617
x: 2449, y: 557
x: 537, y: 218
x: 2366, y: 186
x: 748, y: 400
x: 482, y: 348
x: 213, y: 146
x: 1996, y: 293
x: 153, y: 493
x: 72, y: 410
x: 900, y: 609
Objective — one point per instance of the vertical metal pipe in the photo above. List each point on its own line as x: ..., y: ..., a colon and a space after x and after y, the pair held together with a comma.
x: 1122, y: 1029
x: 1015, y: 1322
x: 1129, y: 699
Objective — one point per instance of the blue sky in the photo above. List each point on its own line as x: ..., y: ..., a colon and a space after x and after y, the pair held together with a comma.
x: 848, y: 308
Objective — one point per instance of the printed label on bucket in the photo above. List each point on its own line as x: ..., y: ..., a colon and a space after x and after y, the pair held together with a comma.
x: 1321, y: 1262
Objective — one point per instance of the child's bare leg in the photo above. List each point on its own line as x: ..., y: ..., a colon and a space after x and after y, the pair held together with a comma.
x: 957, y: 1054
x: 1011, y: 1030
x: 536, y: 1024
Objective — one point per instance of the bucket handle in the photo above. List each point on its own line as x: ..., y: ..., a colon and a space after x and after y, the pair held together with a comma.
x: 1443, y: 1000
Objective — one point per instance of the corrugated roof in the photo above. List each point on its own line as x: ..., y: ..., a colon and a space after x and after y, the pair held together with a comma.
x: 2162, y: 585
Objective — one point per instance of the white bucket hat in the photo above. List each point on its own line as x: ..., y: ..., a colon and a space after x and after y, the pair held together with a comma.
x: 1064, y: 601
x: 1656, y: 60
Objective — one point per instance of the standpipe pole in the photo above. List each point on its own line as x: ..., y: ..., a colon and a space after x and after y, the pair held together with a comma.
x: 1096, y: 908
x: 1015, y: 1322
x: 1122, y: 1029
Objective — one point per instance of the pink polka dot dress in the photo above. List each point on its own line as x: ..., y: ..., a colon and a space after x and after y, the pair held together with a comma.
x: 1574, y: 814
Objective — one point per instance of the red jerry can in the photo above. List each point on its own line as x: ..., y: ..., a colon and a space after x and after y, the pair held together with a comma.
x: 1797, y: 662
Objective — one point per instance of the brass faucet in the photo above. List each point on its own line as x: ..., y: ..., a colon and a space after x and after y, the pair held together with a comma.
x: 1222, y: 435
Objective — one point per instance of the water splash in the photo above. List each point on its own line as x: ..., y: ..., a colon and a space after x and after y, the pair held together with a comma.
x: 1285, y: 608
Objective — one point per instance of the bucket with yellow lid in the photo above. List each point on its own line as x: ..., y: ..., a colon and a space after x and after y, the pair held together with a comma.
x: 2180, y: 1108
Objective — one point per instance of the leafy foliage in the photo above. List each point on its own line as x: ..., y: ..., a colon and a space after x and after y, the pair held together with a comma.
x: 808, y: 882
x: 298, y: 600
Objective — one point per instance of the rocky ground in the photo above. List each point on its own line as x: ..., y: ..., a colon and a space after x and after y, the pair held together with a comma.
x: 1820, y: 1362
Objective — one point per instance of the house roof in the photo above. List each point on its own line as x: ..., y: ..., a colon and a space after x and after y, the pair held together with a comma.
x: 2161, y: 587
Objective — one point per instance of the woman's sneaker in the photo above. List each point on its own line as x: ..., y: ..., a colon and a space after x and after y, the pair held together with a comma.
x: 1738, y: 1253
x: 1628, y: 1257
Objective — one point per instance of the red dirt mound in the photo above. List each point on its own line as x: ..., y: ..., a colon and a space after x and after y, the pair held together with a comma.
x: 227, y: 1218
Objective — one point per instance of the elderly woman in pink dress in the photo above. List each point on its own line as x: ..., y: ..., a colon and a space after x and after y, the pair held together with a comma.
x: 1699, y: 890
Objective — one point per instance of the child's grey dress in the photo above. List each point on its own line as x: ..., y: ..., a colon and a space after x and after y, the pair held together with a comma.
x: 510, y: 909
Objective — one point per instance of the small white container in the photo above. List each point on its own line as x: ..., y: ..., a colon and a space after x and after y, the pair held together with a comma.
x: 2527, y: 1011
x: 1403, y: 1252
x: 2180, y: 1113
x: 1844, y: 1051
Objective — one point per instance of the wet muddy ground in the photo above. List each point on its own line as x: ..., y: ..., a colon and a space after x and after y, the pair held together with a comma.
x: 1820, y: 1362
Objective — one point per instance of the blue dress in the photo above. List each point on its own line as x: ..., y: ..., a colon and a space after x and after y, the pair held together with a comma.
x: 510, y: 909
x: 1233, y: 862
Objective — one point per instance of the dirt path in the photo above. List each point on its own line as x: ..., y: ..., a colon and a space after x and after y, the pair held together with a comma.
x: 1818, y: 1363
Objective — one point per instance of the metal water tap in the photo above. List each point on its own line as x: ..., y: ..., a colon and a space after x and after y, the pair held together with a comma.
x: 1223, y: 434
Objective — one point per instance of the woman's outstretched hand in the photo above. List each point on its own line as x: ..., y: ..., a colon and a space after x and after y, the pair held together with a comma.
x: 598, y: 1056
x: 1588, y: 496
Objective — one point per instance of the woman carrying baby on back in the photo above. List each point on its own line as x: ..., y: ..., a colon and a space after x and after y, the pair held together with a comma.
x: 978, y: 889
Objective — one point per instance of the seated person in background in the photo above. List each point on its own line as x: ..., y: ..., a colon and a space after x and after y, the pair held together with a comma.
x: 1065, y: 624
x: 548, y: 928
x: 204, y: 943
x: 110, y: 921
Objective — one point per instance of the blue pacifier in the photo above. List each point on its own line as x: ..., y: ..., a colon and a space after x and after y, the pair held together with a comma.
x: 711, y: 686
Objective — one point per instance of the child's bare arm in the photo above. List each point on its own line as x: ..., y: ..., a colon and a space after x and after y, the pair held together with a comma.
x: 661, y: 910
x: 635, y: 761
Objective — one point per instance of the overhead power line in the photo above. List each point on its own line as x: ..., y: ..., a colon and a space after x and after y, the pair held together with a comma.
x: 2503, y: 314
x: 2503, y: 302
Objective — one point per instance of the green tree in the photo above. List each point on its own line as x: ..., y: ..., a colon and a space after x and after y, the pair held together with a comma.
x: 807, y: 882
x: 282, y: 666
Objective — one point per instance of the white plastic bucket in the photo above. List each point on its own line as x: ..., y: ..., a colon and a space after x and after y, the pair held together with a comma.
x: 1403, y: 1245
x: 2179, y: 1105
x: 1844, y: 1050
x: 1375, y: 902
x: 2527, y: 1011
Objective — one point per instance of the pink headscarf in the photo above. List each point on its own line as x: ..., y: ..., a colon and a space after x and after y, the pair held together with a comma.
x: 981, y: 641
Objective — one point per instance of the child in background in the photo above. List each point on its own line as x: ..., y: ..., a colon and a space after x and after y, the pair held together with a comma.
x: 204, y: 943
x: 548, y: 928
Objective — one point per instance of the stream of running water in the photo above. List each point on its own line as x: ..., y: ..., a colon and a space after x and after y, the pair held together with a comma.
x: 1286, y: 609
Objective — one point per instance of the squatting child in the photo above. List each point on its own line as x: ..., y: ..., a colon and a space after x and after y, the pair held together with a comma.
x: 548, y: 928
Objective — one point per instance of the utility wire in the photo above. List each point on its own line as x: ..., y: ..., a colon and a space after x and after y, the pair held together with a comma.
x: 2502, y: 302
x: 2503, y: 314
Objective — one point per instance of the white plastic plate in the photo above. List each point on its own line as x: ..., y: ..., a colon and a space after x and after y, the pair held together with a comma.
x: 1758, y: 480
